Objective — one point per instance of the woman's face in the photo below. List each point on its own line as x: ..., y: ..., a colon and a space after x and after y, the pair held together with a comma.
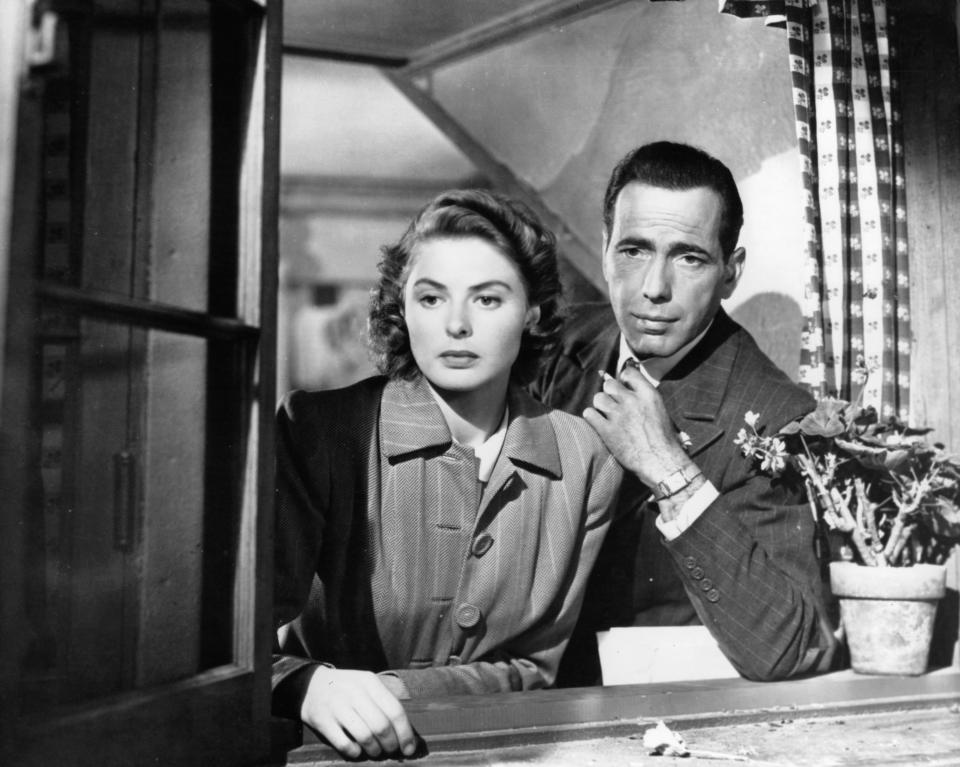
x: 465, y: 306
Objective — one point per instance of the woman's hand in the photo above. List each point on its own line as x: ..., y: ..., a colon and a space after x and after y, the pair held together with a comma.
x: 357, y: 714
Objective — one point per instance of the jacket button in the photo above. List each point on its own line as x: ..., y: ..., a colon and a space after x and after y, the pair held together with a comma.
x: 468, y: 616
x: 689, y: 563
x: 713, y: 595
x: 696, y: 573
x: 453, y: 660
x: 706, y: 584
x: 482, y: 544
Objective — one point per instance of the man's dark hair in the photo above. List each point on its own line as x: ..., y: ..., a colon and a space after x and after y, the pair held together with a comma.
x: 678, y: 167
x: 509, y: 226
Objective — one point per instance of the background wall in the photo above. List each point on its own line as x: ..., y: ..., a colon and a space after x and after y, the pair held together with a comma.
x: 357, y: 161
x: 558, y: 108
x: 561, y: 107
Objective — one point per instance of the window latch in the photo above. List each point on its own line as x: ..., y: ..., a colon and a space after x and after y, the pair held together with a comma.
x: 124, y: 500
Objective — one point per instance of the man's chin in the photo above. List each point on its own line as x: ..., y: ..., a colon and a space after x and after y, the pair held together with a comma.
x: 653, y: 347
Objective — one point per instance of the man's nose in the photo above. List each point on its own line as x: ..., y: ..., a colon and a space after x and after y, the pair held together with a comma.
x: 656, y: 280
x: 458, y: 322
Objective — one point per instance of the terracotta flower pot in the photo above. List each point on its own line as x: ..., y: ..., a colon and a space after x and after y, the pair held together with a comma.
x: 887, y: 614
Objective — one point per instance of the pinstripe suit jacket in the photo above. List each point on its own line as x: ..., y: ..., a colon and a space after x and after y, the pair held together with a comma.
x: 747, y: 567
x: 367, y: 589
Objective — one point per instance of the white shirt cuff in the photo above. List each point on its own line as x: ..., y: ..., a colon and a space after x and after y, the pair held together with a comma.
x: 695, y: 506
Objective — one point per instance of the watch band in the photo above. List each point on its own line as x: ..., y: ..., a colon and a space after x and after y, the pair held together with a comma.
x: 673, y: 484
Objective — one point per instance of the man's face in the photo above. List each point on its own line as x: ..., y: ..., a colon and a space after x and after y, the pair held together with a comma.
x: 664, y: 267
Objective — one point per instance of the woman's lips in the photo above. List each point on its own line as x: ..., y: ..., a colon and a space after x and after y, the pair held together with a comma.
x: 458, y: 358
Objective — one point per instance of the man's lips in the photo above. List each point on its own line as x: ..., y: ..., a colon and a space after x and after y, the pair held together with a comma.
x: 654, y: 318
x: 653, y: 324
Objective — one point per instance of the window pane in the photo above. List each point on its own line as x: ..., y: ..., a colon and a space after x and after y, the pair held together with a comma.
x: 133, y: 445
x: 141, y: 114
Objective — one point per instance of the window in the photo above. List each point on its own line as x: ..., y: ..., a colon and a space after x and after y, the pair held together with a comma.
x: 137, y: 382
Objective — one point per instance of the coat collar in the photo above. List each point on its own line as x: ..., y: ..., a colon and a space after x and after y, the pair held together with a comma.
x: 411, y: 421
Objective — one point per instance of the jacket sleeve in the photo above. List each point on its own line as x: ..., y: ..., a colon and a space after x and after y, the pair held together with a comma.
x: 530, y: 660
x: 754, y: 546
x: 298, y: 535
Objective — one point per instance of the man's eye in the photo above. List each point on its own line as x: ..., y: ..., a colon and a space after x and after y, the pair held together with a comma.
x: 692, y: 259
x: 632, y: 252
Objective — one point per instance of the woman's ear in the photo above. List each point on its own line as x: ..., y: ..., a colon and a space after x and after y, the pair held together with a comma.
x: 532, y: 317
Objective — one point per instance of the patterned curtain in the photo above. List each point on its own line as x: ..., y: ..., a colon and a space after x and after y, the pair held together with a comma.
x: 849, y: 136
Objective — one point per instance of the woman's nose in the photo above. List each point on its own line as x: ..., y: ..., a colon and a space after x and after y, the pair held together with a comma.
x: 458, y: 324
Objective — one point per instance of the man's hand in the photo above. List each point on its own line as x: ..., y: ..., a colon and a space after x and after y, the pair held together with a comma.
x: 630, y: 417
x: 357, y: 714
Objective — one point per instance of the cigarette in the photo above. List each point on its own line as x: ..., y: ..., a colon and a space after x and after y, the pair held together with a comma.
x: 604, y: 375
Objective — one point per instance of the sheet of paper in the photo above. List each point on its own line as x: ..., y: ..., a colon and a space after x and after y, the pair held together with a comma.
x: 643, y: 654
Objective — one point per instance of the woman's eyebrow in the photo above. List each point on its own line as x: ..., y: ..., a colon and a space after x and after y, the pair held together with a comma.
x: 427, y: 282
x: 491, y: 284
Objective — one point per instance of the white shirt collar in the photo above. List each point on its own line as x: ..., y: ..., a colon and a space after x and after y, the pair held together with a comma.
x: 489, y: 451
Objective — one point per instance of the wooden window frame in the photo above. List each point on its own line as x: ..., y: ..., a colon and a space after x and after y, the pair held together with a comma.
x: 220, y: 715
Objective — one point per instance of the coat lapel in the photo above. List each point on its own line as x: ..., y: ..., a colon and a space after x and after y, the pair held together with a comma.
x: 530, y: 444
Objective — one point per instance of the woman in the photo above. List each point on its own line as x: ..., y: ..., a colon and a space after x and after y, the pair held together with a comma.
x: 436, y: 525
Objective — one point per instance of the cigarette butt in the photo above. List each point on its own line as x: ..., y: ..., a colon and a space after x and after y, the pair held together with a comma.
x: 604, y: 375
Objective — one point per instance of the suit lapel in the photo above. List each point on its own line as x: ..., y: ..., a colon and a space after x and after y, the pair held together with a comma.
x: 694, y: 390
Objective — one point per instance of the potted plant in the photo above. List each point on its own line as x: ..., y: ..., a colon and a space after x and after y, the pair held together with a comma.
x: 891, y: 499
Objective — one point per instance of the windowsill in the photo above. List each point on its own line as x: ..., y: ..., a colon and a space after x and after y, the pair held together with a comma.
x: 460, y: 723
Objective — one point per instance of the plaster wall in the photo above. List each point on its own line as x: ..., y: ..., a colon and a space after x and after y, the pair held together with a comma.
x: 561, y: 107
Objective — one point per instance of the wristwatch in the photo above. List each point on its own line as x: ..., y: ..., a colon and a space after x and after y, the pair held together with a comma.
x: 673, y: 483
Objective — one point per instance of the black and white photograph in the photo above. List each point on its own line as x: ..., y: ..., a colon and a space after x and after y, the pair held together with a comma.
x: 479, y: 383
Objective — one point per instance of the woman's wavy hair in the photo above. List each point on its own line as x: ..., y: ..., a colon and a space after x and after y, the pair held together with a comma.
x: 508, y: 225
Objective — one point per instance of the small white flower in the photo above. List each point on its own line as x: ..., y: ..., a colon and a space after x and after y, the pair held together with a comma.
x: 751, y: 419
x: 741, y: 438
x: 685, y: 440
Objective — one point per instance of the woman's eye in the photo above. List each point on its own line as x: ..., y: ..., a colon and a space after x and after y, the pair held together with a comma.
x: 489, y: 301
x: 428, y: 300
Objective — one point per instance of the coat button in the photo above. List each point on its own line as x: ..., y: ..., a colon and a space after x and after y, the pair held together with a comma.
x: 454, y: 660
x: 696, y: 573
x: 482, y: 544
x: 713, y: 595
x: 689, y: 563
x: 468, y: 616
x: 706, y: 584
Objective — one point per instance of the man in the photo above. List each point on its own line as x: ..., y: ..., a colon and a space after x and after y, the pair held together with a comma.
x: 701, y: 534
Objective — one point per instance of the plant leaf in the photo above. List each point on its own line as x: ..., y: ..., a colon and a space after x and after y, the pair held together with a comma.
x: 825, y: 421
x: 896, y: 459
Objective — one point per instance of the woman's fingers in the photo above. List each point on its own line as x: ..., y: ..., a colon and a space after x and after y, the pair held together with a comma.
x: 326, y: 724
x: 356, y: 713
x: 398, y: 724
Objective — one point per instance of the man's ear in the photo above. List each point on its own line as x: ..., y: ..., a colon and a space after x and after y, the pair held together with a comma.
x: 733, y: 269
x: 532, y: 317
